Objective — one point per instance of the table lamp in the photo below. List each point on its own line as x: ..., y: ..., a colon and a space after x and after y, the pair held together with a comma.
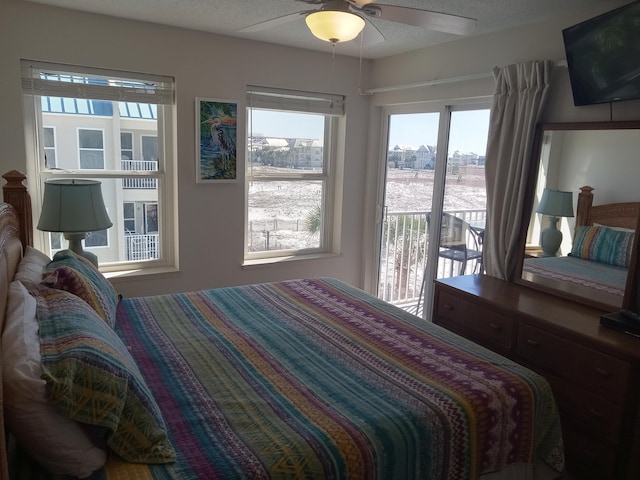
x: 74, y: 207
x: 556, y: 204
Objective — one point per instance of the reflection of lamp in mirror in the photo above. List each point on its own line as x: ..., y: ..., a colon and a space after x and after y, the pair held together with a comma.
x: 74, y: 207
x: 555, y: 204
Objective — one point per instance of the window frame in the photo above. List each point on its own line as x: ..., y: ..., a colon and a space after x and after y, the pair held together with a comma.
x: 278, y: 100
x: 162, y: 94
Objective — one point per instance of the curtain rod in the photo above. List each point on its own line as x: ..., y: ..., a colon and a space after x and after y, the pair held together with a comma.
x: 441, y: 81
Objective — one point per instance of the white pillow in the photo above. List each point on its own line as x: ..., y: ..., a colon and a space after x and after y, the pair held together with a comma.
x: 31, y: 266
x: 55, y: 441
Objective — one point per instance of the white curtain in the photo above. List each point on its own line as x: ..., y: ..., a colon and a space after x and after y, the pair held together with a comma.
x: 521, y: 93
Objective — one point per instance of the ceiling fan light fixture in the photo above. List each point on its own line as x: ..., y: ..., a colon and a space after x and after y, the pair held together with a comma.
x: 334, y: 26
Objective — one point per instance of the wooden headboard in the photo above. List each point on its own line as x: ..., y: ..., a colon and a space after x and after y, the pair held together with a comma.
x: 16, y: 231
x: 10, y: 255
x: 15, y: 194
x: 623, y: 214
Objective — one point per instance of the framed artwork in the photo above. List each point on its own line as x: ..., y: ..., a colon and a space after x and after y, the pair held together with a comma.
x: 216, y: 135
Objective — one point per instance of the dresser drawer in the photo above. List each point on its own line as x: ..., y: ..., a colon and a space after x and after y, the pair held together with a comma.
x: 452, y: 311
x: 602, y: 418
x: 493, y: 326
x: 483, y: 325
x: 586, y: 456
x: 597, y: 372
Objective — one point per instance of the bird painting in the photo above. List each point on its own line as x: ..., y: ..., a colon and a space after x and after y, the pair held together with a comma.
x: 218, y: 121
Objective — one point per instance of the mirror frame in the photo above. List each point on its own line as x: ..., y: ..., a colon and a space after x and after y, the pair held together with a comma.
x: 633, y: 282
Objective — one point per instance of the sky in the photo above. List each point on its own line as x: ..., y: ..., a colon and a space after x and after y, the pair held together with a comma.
x: 285, y: 124
x: 468, y: 128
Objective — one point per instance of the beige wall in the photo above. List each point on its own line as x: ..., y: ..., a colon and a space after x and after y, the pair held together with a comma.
x: 471, y: 57
x: 211, y: 217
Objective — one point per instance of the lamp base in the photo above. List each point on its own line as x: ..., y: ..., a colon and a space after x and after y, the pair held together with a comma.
x: 75, y: 245
x: 550, y: 239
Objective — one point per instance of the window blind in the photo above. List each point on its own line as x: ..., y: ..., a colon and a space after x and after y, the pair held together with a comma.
x: 49, y: 79
x: 295, y: 100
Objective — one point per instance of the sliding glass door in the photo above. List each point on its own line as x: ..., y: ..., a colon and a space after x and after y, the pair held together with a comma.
x: 433, y: 178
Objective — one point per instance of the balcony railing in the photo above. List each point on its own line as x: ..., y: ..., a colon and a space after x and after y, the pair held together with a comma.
x: 139, y: 165
x: 403, y: 256
x: 141, y: 247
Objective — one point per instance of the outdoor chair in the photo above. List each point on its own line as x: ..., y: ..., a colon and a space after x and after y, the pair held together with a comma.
x: 455, y: 237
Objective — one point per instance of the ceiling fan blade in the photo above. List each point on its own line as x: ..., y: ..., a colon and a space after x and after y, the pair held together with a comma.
x: 274, y: 22
x: 441, y: 22
x: 371, y: 35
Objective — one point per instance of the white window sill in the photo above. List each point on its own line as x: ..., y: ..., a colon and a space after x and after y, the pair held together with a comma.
x: 258, y: 262
x: 140, y: 272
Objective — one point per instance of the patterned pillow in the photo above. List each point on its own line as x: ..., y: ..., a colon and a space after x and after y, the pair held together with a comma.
x: 92, y: 378
x: 73, y: 273
x: 55, y: 441
x: 603, y: 244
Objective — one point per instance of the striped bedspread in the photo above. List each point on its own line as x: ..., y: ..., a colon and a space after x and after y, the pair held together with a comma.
x: 314, y: 379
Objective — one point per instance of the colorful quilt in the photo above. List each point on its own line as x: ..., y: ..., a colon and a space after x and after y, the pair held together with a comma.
x: 315, y: 379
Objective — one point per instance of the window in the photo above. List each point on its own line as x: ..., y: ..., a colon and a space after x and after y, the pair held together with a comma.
x: 91, y: 148
x: 117, y: 128
x: 126, y: 146
x: 150, y: 218
x: 436, y: 151
x: 149, y: 148
x: 49, y: 142
x: 56, y: 240
x: 290, y: 165
x: 129, y: 217
x: 96, y: 239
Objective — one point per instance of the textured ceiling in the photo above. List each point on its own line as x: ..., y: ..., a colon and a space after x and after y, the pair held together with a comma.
x: 228, y: 17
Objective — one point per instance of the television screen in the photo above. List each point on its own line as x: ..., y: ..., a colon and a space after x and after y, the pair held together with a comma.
x: 603, y: 56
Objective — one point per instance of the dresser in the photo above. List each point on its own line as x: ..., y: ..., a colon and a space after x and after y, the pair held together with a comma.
x: 594, y: 371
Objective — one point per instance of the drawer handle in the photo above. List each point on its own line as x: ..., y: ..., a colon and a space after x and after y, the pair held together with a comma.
x: 495, y: 326
x: 532, y: 342
x: 595, y: 413
x: 448, y: 306
x: 603, y: 372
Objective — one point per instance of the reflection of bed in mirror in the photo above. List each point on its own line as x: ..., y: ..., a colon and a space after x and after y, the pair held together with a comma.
x: 597, y: 266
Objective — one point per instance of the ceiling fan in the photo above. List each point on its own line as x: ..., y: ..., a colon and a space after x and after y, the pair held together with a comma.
x: 342, y: 20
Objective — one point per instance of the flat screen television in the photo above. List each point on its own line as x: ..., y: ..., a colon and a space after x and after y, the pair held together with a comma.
x: 603, y: 56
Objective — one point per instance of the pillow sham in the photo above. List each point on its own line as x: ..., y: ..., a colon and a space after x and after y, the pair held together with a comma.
x: 75, y: 274
x: 603, y: 244
x: 55, y: 441
x: 92, y: 378
x: 31, y: 266
x: 621, y: 229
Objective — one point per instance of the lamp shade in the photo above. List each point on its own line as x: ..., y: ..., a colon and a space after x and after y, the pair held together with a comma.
x: 73, y: 206
x: 556, y: 203
x: 334, y: 25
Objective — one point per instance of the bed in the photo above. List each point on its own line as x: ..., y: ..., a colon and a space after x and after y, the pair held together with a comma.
x: 597, y: 265
x: 309, y: 378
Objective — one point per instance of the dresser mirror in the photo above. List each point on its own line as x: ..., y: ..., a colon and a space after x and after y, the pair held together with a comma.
x: 606, y: 158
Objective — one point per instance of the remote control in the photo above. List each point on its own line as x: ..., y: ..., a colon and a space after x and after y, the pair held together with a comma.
x: 629, y: 315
